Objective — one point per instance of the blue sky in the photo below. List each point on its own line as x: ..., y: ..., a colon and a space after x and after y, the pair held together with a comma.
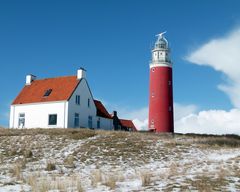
x: 112, y: 40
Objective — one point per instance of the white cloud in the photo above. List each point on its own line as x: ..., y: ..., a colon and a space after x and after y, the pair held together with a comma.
x: 187, y: 119
x: 140, y: 116
x: 141, y: 125
x: 222, y: 54
x: 210, y: 122
x: 181, y: 110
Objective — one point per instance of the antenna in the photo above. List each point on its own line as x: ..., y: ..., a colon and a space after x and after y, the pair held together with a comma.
x: 161, y: 34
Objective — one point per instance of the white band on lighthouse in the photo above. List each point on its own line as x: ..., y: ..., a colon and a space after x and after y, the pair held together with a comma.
x: 162, y: 64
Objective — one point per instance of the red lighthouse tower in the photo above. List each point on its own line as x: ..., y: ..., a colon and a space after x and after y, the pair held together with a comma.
x: 160, y: 91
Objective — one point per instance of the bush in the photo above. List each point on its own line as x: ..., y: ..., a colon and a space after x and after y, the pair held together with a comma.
x: 50, y: 167
x: 28, y: 154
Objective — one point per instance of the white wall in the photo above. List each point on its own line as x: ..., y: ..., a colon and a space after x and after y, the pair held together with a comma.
x: 36, y: 115
x: 106, y: 124
x: 83, y: 109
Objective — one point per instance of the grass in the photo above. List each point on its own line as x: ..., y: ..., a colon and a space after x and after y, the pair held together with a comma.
x: 55, y: 183
x: 112, y: 147
x: 75, y: 134
x: 28, y: 154
x: 96, y: 177
x: 111, y: 181
x: 24, y: 150
x: 146, y: 178
x: 50, y: 166
x: 69, y: 161
x: 16, y: 171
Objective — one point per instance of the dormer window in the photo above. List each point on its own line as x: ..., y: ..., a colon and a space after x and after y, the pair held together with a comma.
x: 47, y: 93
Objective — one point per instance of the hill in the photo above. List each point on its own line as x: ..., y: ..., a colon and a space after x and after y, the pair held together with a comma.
x: 88, y: 160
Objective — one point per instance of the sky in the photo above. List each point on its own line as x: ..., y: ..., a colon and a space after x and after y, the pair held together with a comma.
x: 112, y: 40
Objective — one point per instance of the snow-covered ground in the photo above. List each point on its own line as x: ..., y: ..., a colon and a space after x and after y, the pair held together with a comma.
x: 117, y: 161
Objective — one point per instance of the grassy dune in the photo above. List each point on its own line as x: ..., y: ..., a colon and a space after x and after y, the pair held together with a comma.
x: 89, y: 160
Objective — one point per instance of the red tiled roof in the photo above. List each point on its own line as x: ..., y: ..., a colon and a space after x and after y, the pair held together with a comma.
x: 62, y: 89
x: 101, y: 110
x: 128, y: 123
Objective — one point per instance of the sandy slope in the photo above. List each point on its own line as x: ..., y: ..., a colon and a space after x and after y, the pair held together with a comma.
x: 70, y: 160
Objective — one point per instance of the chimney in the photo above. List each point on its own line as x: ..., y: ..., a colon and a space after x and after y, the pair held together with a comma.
x: 29, y: 79
x: 115, y: 113
x: 81, y: 73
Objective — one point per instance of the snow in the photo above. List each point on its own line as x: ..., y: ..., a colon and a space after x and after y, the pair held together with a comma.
x: 223, y: 156
x: 15, y: 188
x: 166, y: 164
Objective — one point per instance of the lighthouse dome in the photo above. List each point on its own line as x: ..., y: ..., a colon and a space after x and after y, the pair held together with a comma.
x: 161, y: 42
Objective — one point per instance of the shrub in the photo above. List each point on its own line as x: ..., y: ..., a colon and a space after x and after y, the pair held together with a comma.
x: 28, y: 154
x: 50, y: 167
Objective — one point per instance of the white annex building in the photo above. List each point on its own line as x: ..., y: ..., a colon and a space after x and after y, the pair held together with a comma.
x: 62, y: 102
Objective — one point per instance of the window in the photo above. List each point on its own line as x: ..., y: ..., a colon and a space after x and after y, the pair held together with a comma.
x: 88, y: 102
x: 52, y: 119
x: 153, y: 94
x: 98, y: 123
x: 90, y: 122
x: 21, y: 120
x: 47, y: 93
x: 77, y: 99
x: 76, y: 120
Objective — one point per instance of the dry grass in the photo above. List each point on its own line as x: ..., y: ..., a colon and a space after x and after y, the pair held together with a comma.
x: 206, y: 183
x: 113, y: 146
x: 75, y: 134
x: 119, y: 151
x: 41, y: 184
x: 146, y: 178
x: 28, y: 154
x: 96, y: 177
x: 17, y: 171
x: 232, y: 141
x: 111, y: 181
x: 220, y: 142
x: 50, y: 166
x: 69, y: 161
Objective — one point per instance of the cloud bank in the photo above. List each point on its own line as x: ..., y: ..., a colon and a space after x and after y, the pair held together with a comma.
x: 210, y: 122
x: 188, y: 119
x: 140, y: 116
x: 222, y: 54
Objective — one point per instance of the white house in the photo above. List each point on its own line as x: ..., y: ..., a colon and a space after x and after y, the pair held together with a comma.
x: 61, y: 102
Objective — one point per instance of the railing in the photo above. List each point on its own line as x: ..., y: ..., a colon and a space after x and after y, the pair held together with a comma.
x: 160, y: 60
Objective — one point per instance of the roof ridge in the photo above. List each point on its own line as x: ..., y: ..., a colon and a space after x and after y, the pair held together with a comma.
x: 56, y: 77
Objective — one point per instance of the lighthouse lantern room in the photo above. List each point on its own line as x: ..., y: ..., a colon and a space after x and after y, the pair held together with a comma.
x: 160, y: 90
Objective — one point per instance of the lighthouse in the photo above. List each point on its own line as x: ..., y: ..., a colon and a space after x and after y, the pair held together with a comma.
x: 160, y: 89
